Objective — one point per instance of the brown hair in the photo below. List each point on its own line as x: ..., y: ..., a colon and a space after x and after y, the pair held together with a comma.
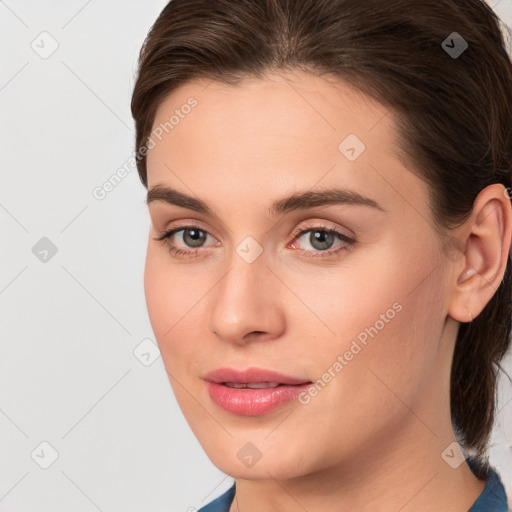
x: 454, y: 113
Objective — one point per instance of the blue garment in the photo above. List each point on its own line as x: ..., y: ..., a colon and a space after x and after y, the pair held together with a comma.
x: 491, y: 499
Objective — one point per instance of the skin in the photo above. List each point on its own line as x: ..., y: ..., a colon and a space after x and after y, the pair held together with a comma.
x: 373, y: 437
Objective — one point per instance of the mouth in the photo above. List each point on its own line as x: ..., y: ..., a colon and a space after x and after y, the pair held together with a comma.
x: 254, y: 391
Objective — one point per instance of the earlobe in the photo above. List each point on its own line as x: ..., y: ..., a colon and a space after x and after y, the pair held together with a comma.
x: 486, y: 241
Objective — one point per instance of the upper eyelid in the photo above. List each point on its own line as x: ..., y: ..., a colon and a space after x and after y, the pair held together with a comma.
x: 316, y: 224
x: 296, y: 233
x: 322, y: 226
x: 191, y: 225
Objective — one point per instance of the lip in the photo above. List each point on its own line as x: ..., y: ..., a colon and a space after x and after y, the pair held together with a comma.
x: 253, y: 374
x: 252, y: 401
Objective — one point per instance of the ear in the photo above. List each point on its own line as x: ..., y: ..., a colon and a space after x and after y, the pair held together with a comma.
x: 484, y: 241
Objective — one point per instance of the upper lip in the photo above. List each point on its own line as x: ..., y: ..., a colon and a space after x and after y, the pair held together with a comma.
x: 251, y: 375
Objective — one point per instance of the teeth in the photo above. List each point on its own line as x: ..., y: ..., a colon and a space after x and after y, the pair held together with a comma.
x: 252, y: 385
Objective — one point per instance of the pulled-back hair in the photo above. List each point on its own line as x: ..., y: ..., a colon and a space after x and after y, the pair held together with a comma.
x: 454, y: 115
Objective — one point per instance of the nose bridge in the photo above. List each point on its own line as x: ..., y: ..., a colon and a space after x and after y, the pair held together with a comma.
x: 248, y: 269
x: 244, y: 301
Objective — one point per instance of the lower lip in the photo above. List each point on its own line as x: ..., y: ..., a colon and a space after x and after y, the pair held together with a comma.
x: 253, y: 402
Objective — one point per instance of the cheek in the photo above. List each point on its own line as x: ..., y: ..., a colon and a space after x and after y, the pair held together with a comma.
x: 387, y: 334
x: 384, y: 315
x: 401, y: 321
x: 158, y: 300
x: 173, y: 306
x: 170, y: 304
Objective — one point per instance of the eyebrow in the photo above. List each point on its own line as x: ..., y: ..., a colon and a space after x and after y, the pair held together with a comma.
x: 296, y: 201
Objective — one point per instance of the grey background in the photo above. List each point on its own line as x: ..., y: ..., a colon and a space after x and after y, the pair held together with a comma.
x: 79, y: 369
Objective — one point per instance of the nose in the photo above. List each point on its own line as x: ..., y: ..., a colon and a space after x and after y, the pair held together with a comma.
x: 245, y: 304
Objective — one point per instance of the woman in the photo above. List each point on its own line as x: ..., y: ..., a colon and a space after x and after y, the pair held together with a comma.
x: 327, y: 271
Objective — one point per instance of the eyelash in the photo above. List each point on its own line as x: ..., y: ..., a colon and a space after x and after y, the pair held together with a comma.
x: 182, y: 253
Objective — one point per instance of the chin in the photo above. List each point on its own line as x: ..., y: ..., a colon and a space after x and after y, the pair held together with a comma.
x: 232, y: 459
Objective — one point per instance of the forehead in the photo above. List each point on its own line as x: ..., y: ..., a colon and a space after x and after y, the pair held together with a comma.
x: 292, y: 105
x: 279, y: 133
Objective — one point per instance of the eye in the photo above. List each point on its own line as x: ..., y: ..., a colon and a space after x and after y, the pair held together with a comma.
x: 192, y: 236
x: 322, y: 238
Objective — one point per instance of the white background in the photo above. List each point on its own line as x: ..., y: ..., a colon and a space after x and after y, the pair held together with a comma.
x: 68, y: 373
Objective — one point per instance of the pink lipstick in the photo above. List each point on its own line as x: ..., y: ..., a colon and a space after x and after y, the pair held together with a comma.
x: 253, y: 391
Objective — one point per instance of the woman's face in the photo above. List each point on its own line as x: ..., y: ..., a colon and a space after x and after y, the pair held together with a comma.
x: 361, y: 314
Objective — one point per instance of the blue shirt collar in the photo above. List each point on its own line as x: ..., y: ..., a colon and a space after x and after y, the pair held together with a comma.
x: 493, y: 497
